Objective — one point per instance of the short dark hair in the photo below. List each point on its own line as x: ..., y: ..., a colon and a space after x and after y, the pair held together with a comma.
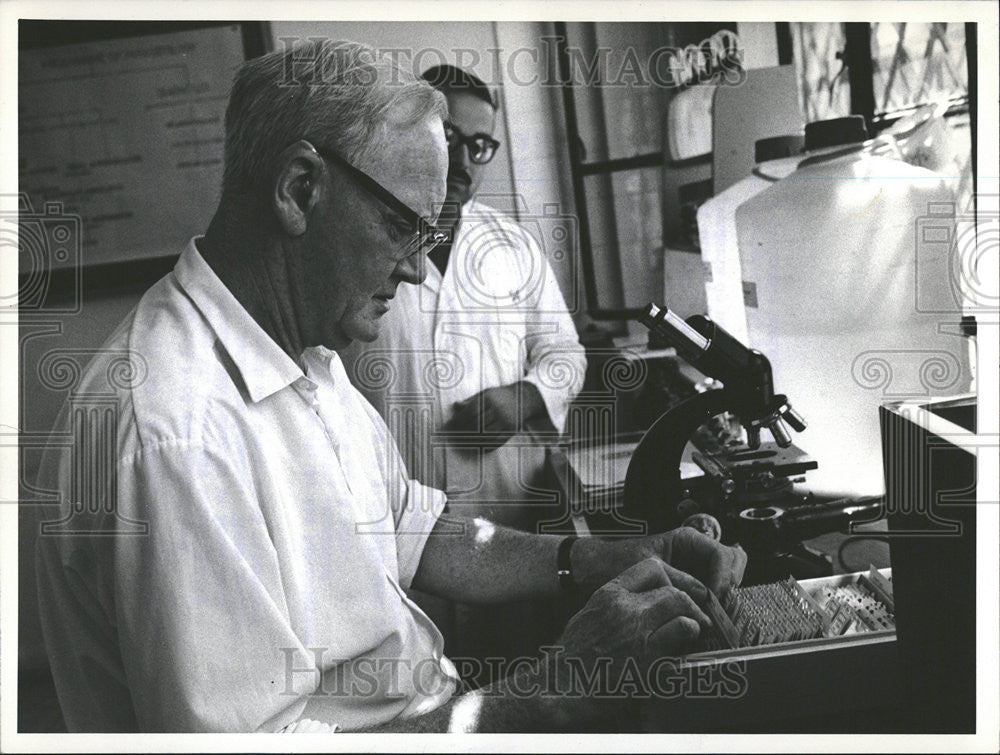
x: 448, y: 78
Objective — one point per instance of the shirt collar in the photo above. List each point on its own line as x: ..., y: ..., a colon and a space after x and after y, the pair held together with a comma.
x: 264, y: 367
x: 325, y: 361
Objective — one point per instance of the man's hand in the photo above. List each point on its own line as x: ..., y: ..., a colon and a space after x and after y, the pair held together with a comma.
x: 720, y: 567
x: 648, y: 612
x: 498, y: 413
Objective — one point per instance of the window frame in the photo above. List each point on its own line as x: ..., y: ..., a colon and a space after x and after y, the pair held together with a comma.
x: 581, y: 169
x: 861, y: 73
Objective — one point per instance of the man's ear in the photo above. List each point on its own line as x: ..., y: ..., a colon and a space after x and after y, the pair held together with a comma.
x: 297, y: 188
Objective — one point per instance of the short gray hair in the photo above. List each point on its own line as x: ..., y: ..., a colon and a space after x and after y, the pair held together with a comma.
x: 338, y: 94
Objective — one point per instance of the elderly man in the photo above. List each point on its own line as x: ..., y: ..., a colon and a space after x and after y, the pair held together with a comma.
x: 239, y: 537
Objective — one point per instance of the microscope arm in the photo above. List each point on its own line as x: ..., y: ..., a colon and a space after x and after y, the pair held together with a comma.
x: 653, y: 481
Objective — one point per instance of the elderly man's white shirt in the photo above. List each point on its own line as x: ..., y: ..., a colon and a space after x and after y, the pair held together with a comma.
x: 496, y: 317
x: 261, y: 542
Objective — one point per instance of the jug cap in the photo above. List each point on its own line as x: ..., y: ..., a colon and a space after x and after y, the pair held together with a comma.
x: 835, y: 131
x: 777, y: 147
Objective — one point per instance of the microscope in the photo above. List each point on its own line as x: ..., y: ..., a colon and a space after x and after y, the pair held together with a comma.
x: 747, y: 493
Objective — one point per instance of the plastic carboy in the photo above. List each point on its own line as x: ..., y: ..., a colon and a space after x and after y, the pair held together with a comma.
x: 827, y: 276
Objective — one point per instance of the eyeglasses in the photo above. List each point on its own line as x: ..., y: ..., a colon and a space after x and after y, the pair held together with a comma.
x: 426, y: 235
x: 482, y: 147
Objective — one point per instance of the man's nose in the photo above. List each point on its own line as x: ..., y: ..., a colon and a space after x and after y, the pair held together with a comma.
x: 413, y: 269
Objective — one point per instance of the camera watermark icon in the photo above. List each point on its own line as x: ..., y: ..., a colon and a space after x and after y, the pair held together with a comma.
x: 502, y: 266
x: 957, y: 257
x: 49, y: 248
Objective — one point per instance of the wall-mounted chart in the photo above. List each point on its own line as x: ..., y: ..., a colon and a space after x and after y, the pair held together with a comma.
x: 127, y: 134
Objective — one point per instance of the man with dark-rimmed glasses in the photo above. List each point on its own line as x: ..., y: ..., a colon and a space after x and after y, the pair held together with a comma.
x: 237, y: 543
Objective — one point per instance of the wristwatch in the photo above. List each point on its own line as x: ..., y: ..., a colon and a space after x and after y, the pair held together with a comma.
x: 563, y: 567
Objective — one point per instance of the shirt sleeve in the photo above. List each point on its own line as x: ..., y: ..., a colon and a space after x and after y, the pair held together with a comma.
x: 415, y: 507
x: 556, y: 362
x: 203, y: 631
x: 416, y: 518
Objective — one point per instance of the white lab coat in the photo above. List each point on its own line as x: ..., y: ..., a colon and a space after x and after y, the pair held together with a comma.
x: 495, y: 317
